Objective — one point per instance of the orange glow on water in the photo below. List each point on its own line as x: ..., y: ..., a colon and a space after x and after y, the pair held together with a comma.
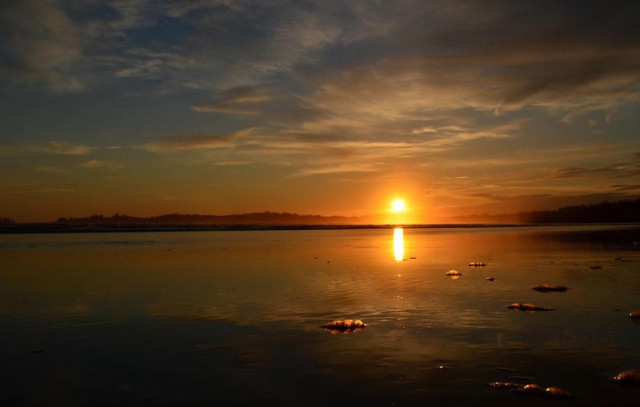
x: 398, y: 244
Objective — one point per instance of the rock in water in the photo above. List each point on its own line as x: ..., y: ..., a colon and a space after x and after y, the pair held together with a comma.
x: 635, y: 315
x: 490, y: 279
x: 344, y: 326
x: 476, y: 264
x: 454, y: 273
x: 550, y: 288
x: 528, y: 307
x: 531, y: 388
x: 628, y: 377
x: 505, y: 385
x: 556, y: 393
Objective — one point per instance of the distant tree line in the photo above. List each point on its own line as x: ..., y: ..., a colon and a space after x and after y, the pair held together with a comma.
x: 257, y: 218
x: 604, y: 212
x: 619, y: 211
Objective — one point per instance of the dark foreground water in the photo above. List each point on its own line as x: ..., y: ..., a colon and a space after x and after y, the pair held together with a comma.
x: 232, y: 318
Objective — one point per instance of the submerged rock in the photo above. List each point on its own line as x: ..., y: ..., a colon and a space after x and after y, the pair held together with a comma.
x: 550, y: 288
x: 505, y: 385
x: 596, y: 267
x: 528, y: 307
x: 556, y: 393
x: 628, y: 377
x: 476, y: 264
x: 532, y: 389
x: 344, y: 326
x: 454, y: 273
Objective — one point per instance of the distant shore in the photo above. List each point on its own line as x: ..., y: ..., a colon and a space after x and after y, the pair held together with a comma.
x: 34, y: 228
x: 620, y: 212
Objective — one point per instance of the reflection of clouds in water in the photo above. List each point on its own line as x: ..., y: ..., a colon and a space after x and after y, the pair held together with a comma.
x: 251, y: 315
x: 360, y: 282
x: 281, y: 285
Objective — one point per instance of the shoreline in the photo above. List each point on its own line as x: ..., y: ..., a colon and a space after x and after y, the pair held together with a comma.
x: 52, y: 228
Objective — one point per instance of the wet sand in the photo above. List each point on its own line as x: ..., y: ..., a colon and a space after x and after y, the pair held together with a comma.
x: 235, y: 318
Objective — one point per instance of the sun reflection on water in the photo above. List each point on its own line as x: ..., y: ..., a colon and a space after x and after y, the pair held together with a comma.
x: 398, y: 244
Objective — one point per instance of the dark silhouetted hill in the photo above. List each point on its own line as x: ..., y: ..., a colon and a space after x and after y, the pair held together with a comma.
x: 604, y: 212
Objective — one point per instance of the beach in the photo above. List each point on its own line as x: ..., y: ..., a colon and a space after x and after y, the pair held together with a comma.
x: 235, y: 317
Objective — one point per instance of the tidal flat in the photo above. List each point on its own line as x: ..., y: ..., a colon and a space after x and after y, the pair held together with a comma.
x: 201, y: 318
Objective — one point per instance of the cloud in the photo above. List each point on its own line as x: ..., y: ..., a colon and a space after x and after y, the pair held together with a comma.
x: 240, y: 100
x: 625, y: 188
x: 60, y: 147
x: 336, y: 169
x: 232, y: 163
x: 201, y: 142
x: 51, y: 170
x: 101, y: 164
x: 615, y: 170
x: 148, y: 64
x: 455, y: 53
x: 51, y: 147
x: 295, y: 38
x: 439, y: 89
x: 40, y: 44
x: 32, y: 189
x: 414, y: 88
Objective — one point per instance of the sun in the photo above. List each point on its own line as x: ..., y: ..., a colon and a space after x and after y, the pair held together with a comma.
x: 398, y: 205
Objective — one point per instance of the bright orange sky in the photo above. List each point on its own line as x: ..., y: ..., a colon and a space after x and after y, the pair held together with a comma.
x: 146, y: 108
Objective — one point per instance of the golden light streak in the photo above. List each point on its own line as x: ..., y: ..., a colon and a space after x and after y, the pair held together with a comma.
x: 398, y: 244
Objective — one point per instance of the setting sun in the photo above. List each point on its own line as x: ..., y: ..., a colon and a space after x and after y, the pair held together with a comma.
x: 398, y: 205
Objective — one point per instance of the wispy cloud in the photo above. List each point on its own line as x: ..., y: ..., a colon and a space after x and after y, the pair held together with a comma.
x: 625, y: 188
x: 101, y: 164
x: 199, y: 142
x: 60, y: 147
x: 51, y: 170
x: 615, y: 170
x: 336, y: 169
x: 51, y: 147
x: 40, y: 45
x: 232, y: 163
x: 28, y: 190
x: 149, y: 64
x: 241, y: 100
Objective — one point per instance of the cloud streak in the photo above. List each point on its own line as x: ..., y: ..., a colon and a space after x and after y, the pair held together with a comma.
x: 240, y: 100
x: 101, y: 164
x: 40, y: 44
x: 51, y: 147
x: 197, y: 142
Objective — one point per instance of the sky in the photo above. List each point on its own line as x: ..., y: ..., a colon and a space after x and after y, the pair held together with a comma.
x: 147, y: 107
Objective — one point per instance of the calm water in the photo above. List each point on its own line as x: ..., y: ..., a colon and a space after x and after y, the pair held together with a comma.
x: 232, y: 318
